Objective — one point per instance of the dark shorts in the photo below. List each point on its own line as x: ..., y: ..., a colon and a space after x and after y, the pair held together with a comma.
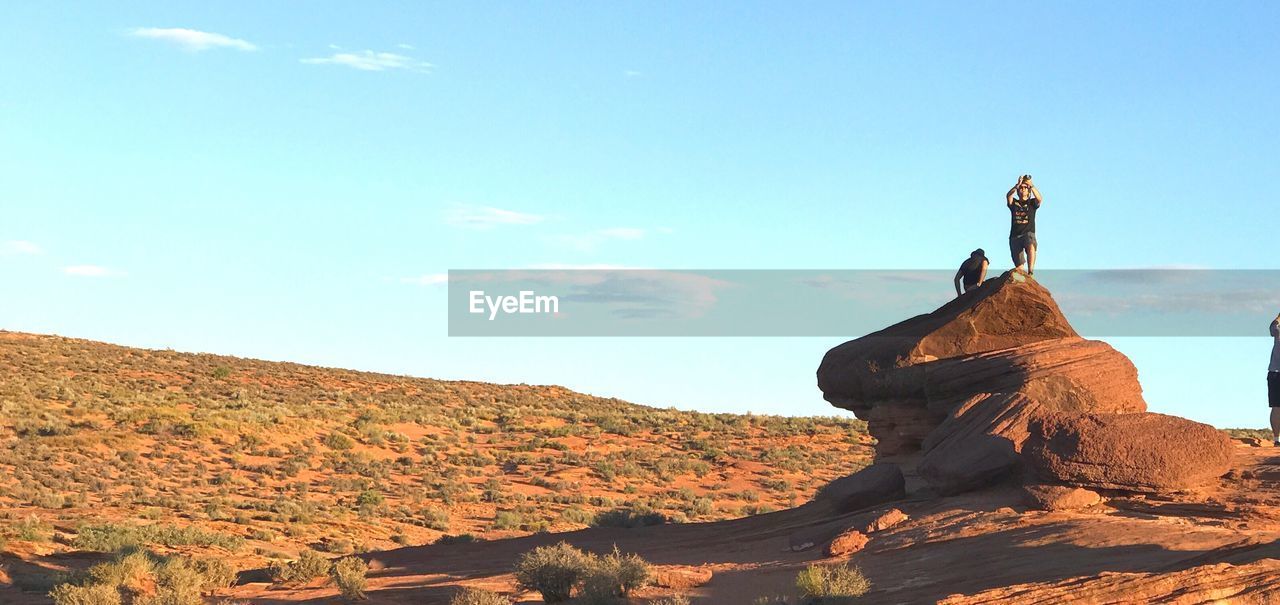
x: 1273, y: 389
x: 1018, y: 243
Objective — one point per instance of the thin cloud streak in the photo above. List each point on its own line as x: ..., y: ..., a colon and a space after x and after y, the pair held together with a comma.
x: 368, y: 60
x: 21, y: 247
x: 487, y: 217
x: 192, y: 40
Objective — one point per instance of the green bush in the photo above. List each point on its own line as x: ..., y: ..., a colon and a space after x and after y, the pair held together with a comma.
x: 309, y: 566
x: 553, y: 571
x: 622, y: 517
x: 616, y: 575
x: 131, y: 571
x: 94, y: 594
x: 824, y: 584
x: 478, y: 596
x: 217, y: 574
x: 177, y: 583
x: 338, y: 441
x: 33, y: 529
x: 350, y: 575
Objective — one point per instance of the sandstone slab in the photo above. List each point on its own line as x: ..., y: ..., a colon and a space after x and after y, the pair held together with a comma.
x: 876, y: 484
x: 1136, y: 452
x: 1060, y: 497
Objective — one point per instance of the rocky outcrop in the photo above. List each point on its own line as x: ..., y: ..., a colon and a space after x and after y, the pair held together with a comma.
x: 681, y: 576
x: 847, y: 543
x: 1134, y: 452
x: 978, y: 443
x: 876, y: 484
x: 1007, y: 337
x: 1253, y: 583
x: 1060, y: 497
x: 885, y: 520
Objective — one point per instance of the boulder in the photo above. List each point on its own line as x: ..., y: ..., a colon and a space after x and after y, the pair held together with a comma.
x: 847, y: 543
x: 879, y: 483
x: 1060, y: 497
x: 1136, y: 452
x: 885, y: 520
x: 1007, y: 337
x: 681, y: 576
x: 977, y: 444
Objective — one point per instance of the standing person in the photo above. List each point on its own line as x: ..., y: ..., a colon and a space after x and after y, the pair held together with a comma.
x: 1023, y: 201
x: 1273, y: 381
x: 973, y: 271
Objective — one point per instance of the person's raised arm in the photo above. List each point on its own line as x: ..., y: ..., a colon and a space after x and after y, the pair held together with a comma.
x: 1008, y: 197
x: 1035, y: 191
x: 960, y: 274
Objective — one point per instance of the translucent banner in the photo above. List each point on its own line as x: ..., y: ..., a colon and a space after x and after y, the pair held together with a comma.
x: 743, y: 302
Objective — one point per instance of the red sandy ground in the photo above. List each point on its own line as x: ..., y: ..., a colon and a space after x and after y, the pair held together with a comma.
x: 1217, y: 544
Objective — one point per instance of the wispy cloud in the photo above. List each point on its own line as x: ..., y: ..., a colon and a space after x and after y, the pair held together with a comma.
x: 589, y: 241
x: 368, y: 60
x: 192, y: 40
x: 18, y: 246
x: 429, y: 279
x: 486, y: 217
x: 92, y: 271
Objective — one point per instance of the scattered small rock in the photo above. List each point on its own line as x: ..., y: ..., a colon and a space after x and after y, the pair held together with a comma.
x: 1060, y: 497
x: 674, y: 576
x: 886, y: 520
x: 847, y: 543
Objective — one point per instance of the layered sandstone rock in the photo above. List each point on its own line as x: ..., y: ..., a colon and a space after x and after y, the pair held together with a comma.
x: 876, y: 484
x: 1007, y: 337
x: 1060, y: 497
x: 1134, y: 452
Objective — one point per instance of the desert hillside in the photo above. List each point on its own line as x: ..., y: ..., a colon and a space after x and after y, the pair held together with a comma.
x: 103, y: 445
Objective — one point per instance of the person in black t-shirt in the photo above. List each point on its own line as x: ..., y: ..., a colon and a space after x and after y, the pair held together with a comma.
x: 973, y: 271
x: 1023, y: 201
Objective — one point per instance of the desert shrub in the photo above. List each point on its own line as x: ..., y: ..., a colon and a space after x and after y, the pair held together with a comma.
x: 478, y: 596
x: 308, y: 566
x: 33, y: 529
x: 615, y: 575
x: 458, y: 539
x: 130, y: 571
x: 506, y: 519
x: 622, y: 517
x: 177, y: 583
x: 822, y: 584
x: 338, y: 441
x: 93, y: 594
x: 349, y: 574
x: 112, y: 537
x: 221, y: 372
x: 216, y: 574
x: 435, y: 518
x: 553, y: 571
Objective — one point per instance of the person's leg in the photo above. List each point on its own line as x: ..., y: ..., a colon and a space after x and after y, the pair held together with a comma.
x: 1031, y: 259
x: 1273, y: 399
x: 1015, y: 250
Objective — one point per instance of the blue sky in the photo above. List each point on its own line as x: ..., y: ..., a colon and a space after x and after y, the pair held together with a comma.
x: 287, y: 182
